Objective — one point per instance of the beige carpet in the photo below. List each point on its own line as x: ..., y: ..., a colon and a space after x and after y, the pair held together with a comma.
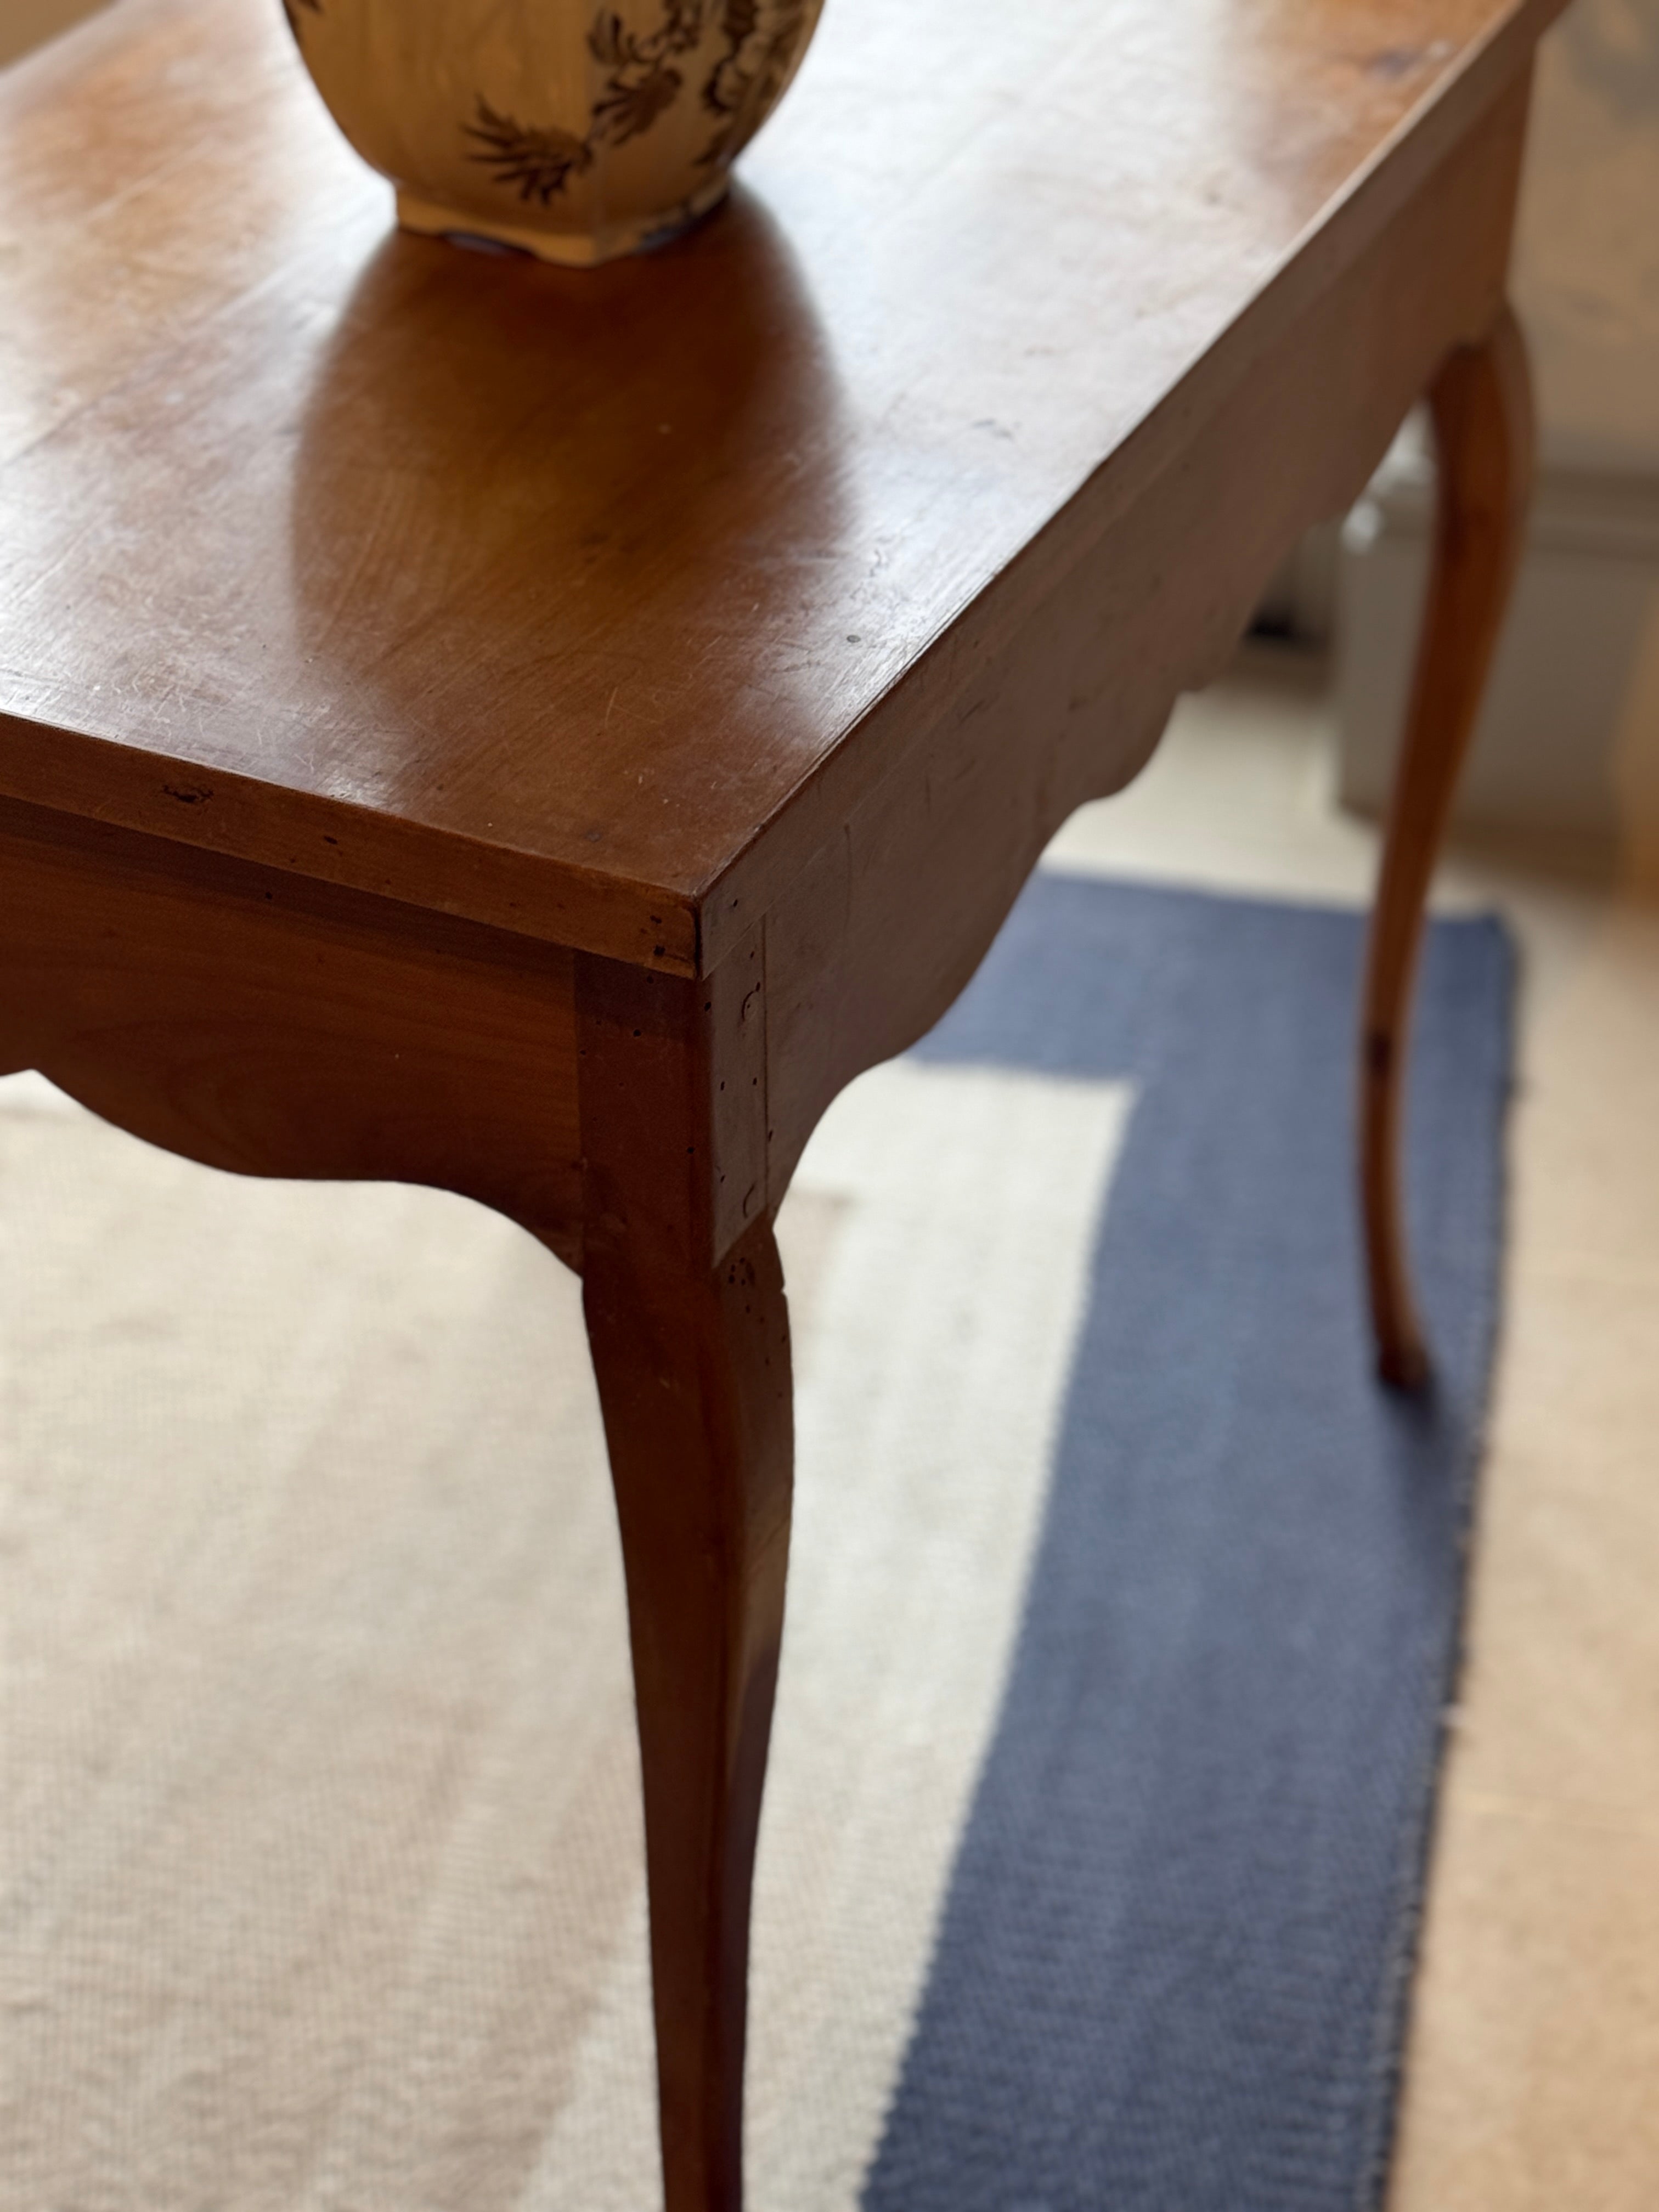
x: 320, y: 1861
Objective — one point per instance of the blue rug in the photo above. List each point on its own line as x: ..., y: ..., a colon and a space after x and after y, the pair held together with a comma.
x: 1173, y: 1963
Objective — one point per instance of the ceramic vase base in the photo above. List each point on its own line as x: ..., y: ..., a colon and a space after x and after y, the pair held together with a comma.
x: 571, y: 249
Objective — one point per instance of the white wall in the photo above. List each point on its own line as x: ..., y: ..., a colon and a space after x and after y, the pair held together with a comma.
x: 1586, y: 257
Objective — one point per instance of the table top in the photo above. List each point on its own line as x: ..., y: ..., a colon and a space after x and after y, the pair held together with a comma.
x: 583, y: 602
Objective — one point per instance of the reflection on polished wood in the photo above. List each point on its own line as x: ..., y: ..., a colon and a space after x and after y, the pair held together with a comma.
x: 544, y: 733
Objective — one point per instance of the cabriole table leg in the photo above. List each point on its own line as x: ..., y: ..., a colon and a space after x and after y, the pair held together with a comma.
x: 692, y: 1359
x: 1482, y: 409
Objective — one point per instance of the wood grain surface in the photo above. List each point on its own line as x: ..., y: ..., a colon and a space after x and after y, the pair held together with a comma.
x: 590, y: 604
x: 258, y: 1021
x: 867, y: 944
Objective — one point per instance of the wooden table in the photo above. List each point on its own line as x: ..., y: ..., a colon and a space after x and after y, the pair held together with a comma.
x: 542, y: 733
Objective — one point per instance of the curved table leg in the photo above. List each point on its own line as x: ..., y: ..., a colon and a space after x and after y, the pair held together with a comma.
x: 693, y: 1378
x: 692, y: 1359
x: 1482, y: 408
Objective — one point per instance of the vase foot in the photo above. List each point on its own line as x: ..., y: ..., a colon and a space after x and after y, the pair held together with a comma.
x: 571, y: 249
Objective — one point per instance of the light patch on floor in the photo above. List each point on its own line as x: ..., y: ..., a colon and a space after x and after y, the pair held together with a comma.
x: 322, y: 1880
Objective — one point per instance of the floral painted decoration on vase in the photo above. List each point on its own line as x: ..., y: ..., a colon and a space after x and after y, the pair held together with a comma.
x: 587, y: 134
